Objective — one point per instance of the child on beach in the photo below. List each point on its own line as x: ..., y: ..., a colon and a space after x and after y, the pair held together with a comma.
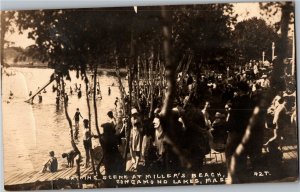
x: 51, y: 165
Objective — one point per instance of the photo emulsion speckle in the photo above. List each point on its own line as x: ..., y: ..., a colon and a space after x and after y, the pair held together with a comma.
x: 144, y: 96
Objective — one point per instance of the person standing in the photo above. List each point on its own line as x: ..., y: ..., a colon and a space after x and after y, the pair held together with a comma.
x: 40, y: 98
x: 79, y: 94
x: 76, y: 118
x: 280, y: 120
x: 111, y: 118
x: 116, y: 102
x: 135, y: 138
x: 159, y: 141
x: 112, y: 159
x: 239, y: 115
x: 206, y: 114
x: 87, y: 143
x: 71, y: 91
x: 109, y: 91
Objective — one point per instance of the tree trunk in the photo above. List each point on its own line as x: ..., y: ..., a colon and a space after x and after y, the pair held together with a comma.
x: 121, y: 87
x: 130, y: 96
x: 277, y: 81
x: 151, y: 63
x: 170, y: 73
x: 89, y: 115
x: 96, y: 119
x: 138, y: 83
x: 170, y: 69
x: 75, y: 148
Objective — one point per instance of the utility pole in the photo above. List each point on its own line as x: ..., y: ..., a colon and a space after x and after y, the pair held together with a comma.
x: 273, y: 51
x: 293, y: 55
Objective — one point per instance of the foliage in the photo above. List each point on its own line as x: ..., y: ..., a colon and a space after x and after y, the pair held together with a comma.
x: 204, y: 30
x: 252, y: 37
x: 98, y: 34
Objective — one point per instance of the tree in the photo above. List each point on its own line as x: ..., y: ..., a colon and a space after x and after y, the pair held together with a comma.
x: 205, y: 31
x: 252, y: 37
x: 7, y: 18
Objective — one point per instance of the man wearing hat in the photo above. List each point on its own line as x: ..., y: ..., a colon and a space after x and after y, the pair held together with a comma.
x: 265, y: 83
x: 135, y: 137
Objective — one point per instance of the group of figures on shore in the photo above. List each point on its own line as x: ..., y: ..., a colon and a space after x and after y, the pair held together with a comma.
x: 210, y: 112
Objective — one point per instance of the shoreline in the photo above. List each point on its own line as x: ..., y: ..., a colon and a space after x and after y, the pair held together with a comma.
x: 108, y: 71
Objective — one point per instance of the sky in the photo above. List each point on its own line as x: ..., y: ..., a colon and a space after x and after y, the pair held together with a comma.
x: 244, y: 11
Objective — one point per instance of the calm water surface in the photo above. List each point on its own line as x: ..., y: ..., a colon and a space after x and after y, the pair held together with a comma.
x: 30, y: 131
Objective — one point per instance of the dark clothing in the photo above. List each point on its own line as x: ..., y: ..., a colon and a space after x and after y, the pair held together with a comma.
x: 195, y: 138
x: 87, y: 144
x: 40, y: 98
x: 53, y: 164
x: 219, y: 131
x: 112, y: 158
x: 240, y: 114
x: 79, y: 94
x: 242, y: 109
x: 77, y: 114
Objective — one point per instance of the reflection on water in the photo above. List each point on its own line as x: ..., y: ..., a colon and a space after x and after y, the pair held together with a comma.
x: 31, y: 131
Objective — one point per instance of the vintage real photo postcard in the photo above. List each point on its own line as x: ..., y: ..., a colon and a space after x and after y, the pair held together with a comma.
x: 138, y: 96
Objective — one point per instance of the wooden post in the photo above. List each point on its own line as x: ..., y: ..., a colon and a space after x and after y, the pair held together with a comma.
x: 293, y: 54
x: 273, y: 51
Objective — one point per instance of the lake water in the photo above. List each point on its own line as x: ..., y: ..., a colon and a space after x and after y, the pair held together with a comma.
x: 30, y: 131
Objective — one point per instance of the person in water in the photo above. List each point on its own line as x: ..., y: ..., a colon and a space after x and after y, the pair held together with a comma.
x: 40, y: 98
x: 79, y: 93
x: 11, y: 95
x: 77, y: 117
x: 116, y: 102
x: 109, y: 91
x: 71, y: 91
x: 51, y: 165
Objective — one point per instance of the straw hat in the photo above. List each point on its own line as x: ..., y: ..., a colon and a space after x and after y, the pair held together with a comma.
x: 264, y: 76
x: 134, y: 111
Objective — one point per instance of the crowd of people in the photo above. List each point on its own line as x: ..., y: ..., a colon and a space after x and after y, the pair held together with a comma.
x: 211, y: 112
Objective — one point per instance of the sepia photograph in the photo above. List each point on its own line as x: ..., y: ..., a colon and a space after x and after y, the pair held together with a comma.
x: 144, y: 96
